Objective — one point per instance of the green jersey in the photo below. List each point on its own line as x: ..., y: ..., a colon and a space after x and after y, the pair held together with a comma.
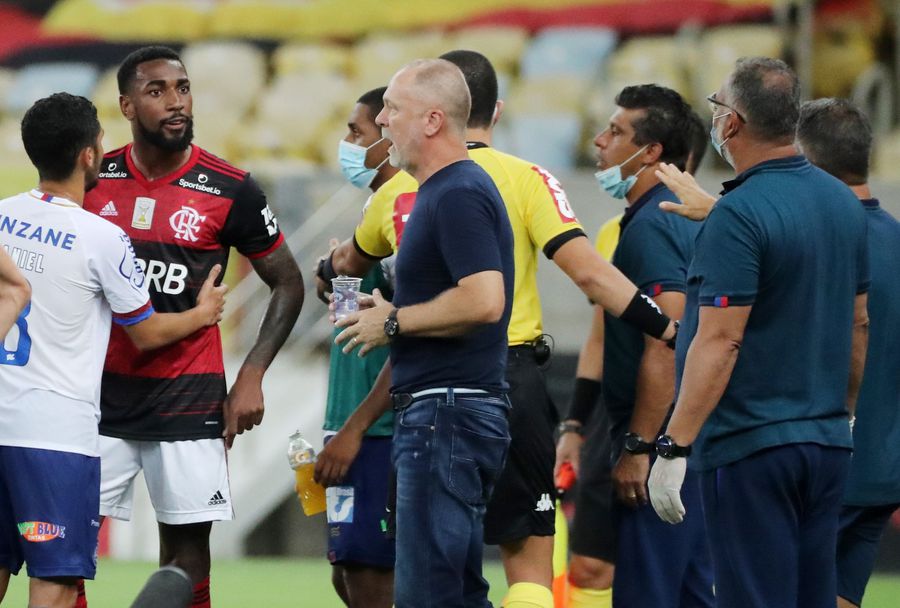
x: 350, y: 377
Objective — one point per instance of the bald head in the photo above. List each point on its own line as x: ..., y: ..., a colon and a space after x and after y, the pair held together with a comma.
x: 439, y: 84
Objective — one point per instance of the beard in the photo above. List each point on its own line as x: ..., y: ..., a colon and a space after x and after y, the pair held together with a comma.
x: 158, y: 138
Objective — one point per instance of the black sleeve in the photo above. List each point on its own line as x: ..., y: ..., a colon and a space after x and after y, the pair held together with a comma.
x: 251, y: 226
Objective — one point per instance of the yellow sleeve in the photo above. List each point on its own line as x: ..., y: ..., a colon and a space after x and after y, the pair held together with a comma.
x: 375, y: 234
x: 608, y: 237
x: 549, y: 214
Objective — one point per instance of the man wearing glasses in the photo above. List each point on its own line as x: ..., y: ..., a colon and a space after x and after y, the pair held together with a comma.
x: 770, y: 355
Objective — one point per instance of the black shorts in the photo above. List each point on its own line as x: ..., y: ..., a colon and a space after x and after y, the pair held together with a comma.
x: 524, y: 499
x: 593, y: 531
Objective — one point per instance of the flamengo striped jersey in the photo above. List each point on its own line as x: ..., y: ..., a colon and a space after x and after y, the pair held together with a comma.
x: 181, y: 225
x: 83, y: 273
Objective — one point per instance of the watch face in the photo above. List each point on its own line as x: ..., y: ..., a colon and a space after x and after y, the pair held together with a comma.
x: 632, y: 443
x: 664, y: 446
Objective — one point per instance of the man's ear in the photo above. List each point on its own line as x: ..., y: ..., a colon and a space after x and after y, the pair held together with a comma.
x: 126, y: 107
x: 435, y: 119
x: 498, y: 112
x: 652, y: 154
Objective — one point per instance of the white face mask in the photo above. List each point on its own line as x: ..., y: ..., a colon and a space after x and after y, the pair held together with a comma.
x: 610, y: 179
x: 718, y: 145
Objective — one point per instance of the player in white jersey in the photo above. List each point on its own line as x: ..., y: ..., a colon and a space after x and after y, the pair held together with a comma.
x: 83, y: 275
x: 14, y: 292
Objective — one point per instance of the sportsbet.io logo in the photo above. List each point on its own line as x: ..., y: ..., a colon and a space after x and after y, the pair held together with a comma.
x: 40, y: 531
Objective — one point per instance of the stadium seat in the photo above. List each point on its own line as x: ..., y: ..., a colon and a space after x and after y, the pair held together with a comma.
x: 106, y: 94
x: 564, y: 93
x: 550, y: 140
x: 378, y: 57
x: 578, y: 51
x: 649, y: 59
x: 130, y: 21
x: 40, y: 80
x: 502, y: 45
x: 231, y: 71
x: 720, y: 47
x: 297, y: 57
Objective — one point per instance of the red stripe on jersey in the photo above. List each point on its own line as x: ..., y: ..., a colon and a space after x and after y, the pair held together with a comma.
x: 403, y: 206
x: 115, y: 152
x: 218, y: 169
x: 217, y: 163
x: 267, y: 251
x: 134, y: 313
x: 165, y: 179
x: 563, y: 208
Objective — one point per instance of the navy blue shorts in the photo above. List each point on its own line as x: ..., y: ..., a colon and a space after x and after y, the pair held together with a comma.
x: 357, y: 517
x: 859, y: 532
x: 49, y: 512
x: 661, y: 565
x: 772, y: 521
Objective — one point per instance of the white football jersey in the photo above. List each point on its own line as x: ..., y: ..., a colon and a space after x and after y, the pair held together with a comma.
x: 83, y: 274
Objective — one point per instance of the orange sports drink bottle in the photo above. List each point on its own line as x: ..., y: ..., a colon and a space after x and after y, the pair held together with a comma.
x: 302, y: 458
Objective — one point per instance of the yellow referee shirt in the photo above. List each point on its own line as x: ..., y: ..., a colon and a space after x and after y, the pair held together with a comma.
x: 608, y: 237
x: 539, y: 213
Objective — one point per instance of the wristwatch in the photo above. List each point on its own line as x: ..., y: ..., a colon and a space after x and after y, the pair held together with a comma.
x: 569, y: 427
x: 667, y: 448
x: 391, y: 325
x: 635, y: 444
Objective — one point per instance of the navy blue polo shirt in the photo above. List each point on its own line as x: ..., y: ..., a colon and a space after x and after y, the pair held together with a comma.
x: 790, y: 240
x: 875, y: 468
x: 654, y: 251
x: 458, y: 227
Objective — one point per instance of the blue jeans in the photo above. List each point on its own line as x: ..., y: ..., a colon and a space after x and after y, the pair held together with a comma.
x: 448, y: 451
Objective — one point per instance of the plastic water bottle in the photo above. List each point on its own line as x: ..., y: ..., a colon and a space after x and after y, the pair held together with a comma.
x: 302, y: 458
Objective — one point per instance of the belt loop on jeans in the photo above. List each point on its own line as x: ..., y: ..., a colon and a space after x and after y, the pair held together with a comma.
x: 402, y: 401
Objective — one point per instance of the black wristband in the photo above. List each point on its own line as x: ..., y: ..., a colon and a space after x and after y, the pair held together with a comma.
x: 644, y: 314
x: 325, y: 271
x: 584, y: 398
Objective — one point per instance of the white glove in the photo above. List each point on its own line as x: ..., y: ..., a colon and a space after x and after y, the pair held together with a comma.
x: 666, y: 479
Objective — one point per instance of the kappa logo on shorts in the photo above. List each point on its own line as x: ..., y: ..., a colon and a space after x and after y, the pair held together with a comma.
x: 217, y: 499
x: 40, y: 531
x: 339, y: 502
x: 544, y: 503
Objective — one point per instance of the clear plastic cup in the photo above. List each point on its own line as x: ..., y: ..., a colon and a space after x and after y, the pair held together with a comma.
x: 345, y: 290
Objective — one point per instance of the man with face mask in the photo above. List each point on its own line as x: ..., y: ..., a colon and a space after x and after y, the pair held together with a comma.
x: 361, y: 555
x: 168, y: 412
x: 772, y: 354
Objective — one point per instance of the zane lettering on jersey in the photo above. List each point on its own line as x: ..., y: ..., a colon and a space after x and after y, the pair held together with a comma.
x: 187, y: 223
x: 164, y: 278
x: 339, y: 502
x: 26, y: 260
x: 34, y: 232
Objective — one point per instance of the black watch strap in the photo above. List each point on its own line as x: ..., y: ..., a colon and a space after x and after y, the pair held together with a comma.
x: 569, y: 427
x: 635, y: 444
x: 391, y: 325
x: 667, y: 448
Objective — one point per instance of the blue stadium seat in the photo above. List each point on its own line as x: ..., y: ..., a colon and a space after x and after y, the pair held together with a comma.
x: 550, y: 140
x: 40, y: 80
x: 577, y: 51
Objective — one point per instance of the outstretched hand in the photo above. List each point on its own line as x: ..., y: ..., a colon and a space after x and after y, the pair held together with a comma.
x: 696, y: 203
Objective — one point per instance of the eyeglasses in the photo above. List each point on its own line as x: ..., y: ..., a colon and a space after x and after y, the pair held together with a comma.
x: 713, y: 103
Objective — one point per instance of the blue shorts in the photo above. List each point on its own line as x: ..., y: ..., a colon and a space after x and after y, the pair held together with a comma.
x: 357, y: 517
x: 859, y: 532
x: 49, y: 512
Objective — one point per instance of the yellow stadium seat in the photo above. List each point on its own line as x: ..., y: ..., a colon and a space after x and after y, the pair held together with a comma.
x: 842, y: 51
x: 378, y: 57
x: 547, y: 94
x: 136, y: 21
x: 106, y: 94
x: 502, y: 45
x: 304, y: 57
x: 229, y: 70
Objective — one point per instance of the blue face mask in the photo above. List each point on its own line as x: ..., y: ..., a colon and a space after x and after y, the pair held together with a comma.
x: 611, y: 181
x: 717, y: 145
x: 353, y: 163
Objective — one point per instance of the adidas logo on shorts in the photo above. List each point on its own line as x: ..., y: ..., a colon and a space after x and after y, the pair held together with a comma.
x: 217, y: 499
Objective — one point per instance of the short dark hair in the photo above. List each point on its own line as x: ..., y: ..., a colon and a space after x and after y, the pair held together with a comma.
x: 699, y: 142
x: 55, y: 130
x: 836, y: 136
x: 666, y: 120
x: 482, y: 82
x: 374, y: 100
x: 128, y: 70
x: 767, y: 94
